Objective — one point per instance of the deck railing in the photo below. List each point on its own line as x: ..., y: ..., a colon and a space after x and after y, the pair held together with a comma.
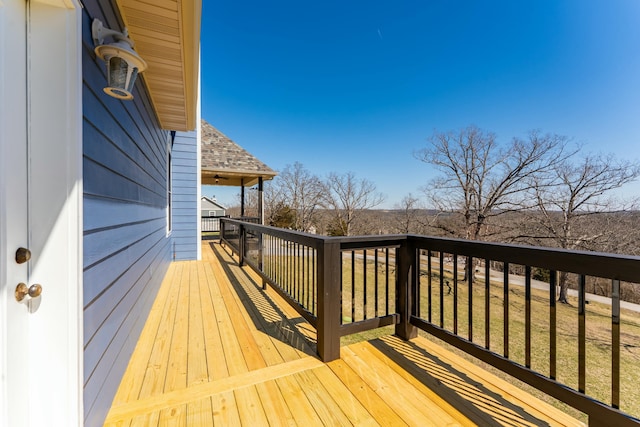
x: 211, y: 223
x: 476, y: 296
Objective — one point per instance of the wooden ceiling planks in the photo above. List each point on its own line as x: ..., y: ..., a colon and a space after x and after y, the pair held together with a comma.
x: 167, y: 36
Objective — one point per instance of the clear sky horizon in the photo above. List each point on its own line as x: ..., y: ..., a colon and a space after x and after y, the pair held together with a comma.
x: 358, y: 86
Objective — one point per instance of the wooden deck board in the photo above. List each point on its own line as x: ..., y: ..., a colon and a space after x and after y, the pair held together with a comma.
x: 376, y: 405
x: 395, y: 393
x: 131, y: 383
x: 218, y: 350
x: 213, y: 342
x: 155, y: 373
x: 225, y: 410
x: 298, y: 403
x: 274, y: 405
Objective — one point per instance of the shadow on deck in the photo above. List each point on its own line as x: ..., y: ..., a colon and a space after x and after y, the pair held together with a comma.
x: 217, y: 350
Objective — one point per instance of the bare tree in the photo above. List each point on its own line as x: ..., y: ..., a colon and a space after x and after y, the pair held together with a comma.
x: 482, y: 179
x: 251, y: 195
x: 409, y: 208
x: 274, y: 204
x: 345, y: 196
x: 301, y: 191
x: 571, y: 194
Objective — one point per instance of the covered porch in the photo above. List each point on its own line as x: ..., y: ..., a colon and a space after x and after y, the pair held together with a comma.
x: 225, y: 163
x: 218, y: 350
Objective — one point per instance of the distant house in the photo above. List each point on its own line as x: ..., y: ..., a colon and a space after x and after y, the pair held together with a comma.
x: 210, y: 207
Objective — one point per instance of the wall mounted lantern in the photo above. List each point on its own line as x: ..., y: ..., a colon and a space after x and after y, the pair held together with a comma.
x: 123, y: 63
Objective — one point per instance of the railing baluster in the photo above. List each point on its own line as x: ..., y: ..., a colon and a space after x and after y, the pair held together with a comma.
x: 261, y: 258
x: 294, y: 272
x: 429, y: 283
x: 314, y: 287
x: 441, y: 290
x: 582, y: 325
x: 290, y: 248
x: 455, y: 294
x: 615, y: 343
x: 342, y: 298
x: 487, y: 303
x: 418, y: 274
x: 470, y: 274
x: 505, y: 287
x: 386, y: 298
x: 553, y: 276
x: 306, y: 279
x: 375, y: 258
x: 281, y: 260
x: 270, y: 248
x: 298, y: 272
x: 353, y: 286
x: 288, y: 268
x: 527, y: 316
x: 364, y: 281
x: 311, y: 268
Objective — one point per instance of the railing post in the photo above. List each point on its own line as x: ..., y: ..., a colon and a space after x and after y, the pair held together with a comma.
x: 241, y: 244
x: 406, y: 283
x: 328, y: 297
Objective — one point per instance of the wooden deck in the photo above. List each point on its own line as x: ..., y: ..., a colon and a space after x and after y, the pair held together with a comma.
x: 217, y: 350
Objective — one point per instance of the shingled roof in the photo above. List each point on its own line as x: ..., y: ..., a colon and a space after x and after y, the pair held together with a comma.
x: 226, y: 163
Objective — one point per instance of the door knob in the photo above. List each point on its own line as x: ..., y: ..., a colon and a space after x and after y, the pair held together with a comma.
x: 23, y: 255
x: 22, y: 291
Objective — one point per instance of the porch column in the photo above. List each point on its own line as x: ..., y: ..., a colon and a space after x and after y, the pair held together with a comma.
x: 261, y: 200
x: 241, y: 197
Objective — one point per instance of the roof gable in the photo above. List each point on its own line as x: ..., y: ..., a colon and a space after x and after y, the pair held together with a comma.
x: 226, y: 163
x: 207, y: 203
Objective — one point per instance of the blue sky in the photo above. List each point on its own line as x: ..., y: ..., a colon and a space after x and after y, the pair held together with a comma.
x: 359, y: 85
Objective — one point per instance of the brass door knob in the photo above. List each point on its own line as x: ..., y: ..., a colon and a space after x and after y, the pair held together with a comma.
x: 22, y: 291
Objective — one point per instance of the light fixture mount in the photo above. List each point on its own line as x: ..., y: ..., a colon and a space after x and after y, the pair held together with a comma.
x: 123, y: 63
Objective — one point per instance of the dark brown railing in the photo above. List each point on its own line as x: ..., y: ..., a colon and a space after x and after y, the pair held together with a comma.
x: 475, y: 296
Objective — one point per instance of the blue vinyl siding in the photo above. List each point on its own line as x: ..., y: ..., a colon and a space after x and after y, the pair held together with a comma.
x: 186, y: 221
x: 126, y: 249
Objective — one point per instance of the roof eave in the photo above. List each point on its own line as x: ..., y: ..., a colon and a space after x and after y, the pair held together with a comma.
x: 167, y: 37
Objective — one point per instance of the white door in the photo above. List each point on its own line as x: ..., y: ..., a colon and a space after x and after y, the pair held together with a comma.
x: 13, y: 210
x: 40, y: 210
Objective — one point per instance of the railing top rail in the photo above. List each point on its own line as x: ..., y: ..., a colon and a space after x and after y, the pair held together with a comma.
x: 597, y: 264
x: 307, y: 239
x: 370, y: 242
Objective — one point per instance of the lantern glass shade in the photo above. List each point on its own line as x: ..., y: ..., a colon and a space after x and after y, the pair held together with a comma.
x: 121, y: 77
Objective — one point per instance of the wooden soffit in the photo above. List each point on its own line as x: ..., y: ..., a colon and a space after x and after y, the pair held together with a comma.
x: 235, y: 178
x: 166, y: 34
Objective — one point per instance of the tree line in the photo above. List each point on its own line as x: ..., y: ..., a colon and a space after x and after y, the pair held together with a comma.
x: 541, y: 190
